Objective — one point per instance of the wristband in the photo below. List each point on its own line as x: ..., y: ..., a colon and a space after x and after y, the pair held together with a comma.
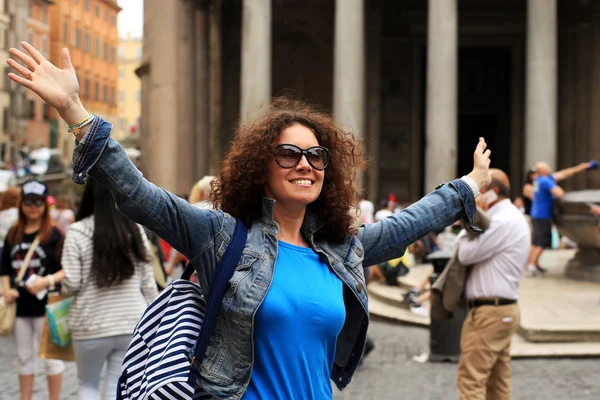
x: 51, y: 282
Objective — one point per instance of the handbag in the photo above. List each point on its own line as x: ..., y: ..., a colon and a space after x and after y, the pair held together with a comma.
x: 171, y: 338
x: 57, y: 314
x: 48, y: 349
x: 8, y: 315
x: 8, y: 311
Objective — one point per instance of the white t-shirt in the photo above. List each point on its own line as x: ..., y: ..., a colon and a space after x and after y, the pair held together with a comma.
x: 366, y: 212
x: 381, y: 214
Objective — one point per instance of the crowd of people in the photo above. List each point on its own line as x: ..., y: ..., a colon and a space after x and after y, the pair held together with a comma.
x: 289, y: 177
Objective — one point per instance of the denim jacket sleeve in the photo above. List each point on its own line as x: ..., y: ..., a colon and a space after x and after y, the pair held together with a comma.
x: 389, y: 238
x: 189, y: 229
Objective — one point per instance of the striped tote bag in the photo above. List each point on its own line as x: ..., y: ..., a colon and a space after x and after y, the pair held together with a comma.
x: 170, y: 339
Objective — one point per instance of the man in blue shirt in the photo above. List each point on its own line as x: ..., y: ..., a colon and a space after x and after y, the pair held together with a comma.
x: 545, y: 190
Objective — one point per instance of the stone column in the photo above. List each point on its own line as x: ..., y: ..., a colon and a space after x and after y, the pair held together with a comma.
x: 349, y: 65
x: 442, y: 96
x: 373, y: 123
x: 160, y: 159
x: 541, y: 78
x: 256, y: 58
x: 201, y: 95
x: 214, y: 85
x: 186, y: 105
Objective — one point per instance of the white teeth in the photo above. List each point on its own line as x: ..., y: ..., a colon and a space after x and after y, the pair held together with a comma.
x: 302, y: 182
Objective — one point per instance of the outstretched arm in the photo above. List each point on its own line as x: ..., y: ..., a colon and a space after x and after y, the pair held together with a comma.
x: 389, y: 238
x: 187, y: 228
x: 569, y: 172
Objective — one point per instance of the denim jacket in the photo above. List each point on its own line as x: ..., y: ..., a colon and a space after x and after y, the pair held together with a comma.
x: 202, y: 236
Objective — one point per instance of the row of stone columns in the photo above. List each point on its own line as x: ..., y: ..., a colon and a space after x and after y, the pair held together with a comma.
x: 349, y: 61
x: 442, y: 95
x: 442, y: 65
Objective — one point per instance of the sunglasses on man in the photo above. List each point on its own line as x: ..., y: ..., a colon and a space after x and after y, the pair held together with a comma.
x: 289, y: 155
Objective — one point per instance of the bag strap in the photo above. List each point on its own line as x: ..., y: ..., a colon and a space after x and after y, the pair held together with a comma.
x: 224, y: 272
x: 34, y: 245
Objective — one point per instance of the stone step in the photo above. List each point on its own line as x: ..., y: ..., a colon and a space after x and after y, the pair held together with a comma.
x: 415, y: 276
x: 385, y: 311
x: 520, y: 347
x: 390, y: 295
x: 559, y: 334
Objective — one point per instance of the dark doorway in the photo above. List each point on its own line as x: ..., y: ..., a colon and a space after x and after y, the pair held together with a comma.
x: 484, y: 104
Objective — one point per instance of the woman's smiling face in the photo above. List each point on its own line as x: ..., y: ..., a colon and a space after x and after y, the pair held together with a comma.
x: 300, y: 185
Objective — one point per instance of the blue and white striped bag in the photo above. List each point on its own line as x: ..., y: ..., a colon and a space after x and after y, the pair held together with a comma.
x: 170, y: 339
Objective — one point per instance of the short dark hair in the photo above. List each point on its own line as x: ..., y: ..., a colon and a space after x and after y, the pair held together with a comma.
x: 503, y: 190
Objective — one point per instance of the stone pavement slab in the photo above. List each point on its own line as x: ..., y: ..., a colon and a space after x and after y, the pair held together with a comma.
x: 390, y: 373
x: 555, y: 308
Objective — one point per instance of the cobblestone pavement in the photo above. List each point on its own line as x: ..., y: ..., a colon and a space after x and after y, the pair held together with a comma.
x: 390, y: 373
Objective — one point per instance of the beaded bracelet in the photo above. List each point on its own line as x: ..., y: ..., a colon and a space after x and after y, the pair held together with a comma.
x: 75, y: 129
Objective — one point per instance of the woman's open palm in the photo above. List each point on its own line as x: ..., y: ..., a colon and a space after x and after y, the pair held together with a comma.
x: 481, y: 165
x: 57, y: 87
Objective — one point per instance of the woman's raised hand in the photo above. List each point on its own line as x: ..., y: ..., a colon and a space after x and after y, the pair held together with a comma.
x: 57, y: 87
x: 481, y: 165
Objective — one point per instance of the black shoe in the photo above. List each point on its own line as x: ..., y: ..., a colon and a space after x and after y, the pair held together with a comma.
x: 411, y: 298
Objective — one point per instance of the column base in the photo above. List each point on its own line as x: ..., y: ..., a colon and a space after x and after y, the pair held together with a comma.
x: 585, y: 266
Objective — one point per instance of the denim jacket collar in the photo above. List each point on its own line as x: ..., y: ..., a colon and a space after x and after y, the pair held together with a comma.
x: 310, y: 225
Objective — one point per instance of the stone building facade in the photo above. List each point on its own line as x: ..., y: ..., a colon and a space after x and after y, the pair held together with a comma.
x: 6, y: 140
x: 129, y: 98
x: 89, y: 29
x: 418, y: 80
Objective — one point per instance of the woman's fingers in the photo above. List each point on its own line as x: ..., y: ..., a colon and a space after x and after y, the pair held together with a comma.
x: 66, y: 59
x: 20, y: 80
x: 18, y: 67
x: 33, y: 52
x: 27, y: 60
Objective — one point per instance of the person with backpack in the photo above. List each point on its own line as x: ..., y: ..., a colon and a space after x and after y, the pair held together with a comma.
x: 107, y: 268
x: 294, y: 313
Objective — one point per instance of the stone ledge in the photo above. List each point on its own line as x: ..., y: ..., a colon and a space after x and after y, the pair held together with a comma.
x: 381, y: 310
x: 390, y: 295
x: 520, y: 348
x: 559, y: 334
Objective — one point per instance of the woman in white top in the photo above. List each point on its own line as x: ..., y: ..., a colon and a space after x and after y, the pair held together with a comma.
x: 107, y: 267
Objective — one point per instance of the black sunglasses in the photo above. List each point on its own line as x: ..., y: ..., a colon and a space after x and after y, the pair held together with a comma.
x: 289, y: 155
x: 34, y: 202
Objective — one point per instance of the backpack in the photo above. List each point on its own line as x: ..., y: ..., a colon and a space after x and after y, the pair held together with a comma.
x: 170, y: 339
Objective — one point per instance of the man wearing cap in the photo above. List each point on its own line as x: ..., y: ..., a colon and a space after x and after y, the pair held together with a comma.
x: 497, y: 257
x: 545, y: 190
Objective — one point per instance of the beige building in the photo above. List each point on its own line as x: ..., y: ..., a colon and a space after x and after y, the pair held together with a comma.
x: 130, y: 87
x: 6, y: 144
x: 419, y: 80
x: 89, y: 29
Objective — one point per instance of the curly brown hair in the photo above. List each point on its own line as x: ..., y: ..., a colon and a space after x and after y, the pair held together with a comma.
x: 238, y: 190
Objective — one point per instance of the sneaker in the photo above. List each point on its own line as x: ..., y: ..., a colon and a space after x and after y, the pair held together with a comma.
x: 411, y: 298
x: 421, y: 310
x: 533, y: 271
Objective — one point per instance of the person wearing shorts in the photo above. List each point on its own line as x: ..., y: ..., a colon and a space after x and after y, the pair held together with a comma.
x: 545, y: 190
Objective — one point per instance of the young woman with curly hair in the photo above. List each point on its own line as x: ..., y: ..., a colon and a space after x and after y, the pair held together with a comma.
x: 295, y: 313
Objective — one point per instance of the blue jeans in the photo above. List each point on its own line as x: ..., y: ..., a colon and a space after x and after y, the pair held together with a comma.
x: 90, y: 356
